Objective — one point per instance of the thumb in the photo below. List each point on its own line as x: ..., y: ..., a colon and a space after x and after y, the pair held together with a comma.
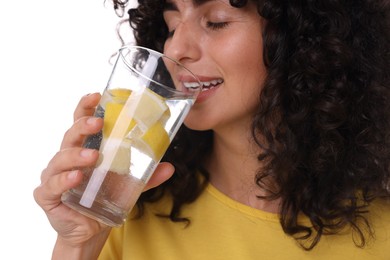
x: 163, y: 172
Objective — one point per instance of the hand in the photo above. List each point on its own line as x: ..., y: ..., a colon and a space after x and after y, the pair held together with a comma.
x: 73, y: 228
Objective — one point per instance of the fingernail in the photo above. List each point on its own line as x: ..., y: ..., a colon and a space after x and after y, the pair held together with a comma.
x: 91, y: 120
x: 86, y: 153
x: 73, y: 174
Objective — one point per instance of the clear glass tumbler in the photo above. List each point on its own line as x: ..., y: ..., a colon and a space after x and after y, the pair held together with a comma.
x: 143, y: 105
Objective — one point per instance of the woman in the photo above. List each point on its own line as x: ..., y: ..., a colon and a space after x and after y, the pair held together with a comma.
x: 285, y: 154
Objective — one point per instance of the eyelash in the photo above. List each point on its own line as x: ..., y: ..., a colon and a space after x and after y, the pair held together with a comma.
x: 216, y: 26
x: 210, y: 25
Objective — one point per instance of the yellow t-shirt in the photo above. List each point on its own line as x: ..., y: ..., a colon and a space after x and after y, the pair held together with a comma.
x: 222, y: 228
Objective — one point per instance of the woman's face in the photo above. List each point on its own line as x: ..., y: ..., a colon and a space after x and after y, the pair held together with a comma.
x: 222, y: 45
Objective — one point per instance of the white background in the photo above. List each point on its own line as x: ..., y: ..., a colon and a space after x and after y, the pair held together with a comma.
x: 51, y: 53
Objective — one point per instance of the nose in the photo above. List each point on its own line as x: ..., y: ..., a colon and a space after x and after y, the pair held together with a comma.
x: 183, y: 45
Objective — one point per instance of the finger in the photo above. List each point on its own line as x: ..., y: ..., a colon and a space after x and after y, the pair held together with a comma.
x: 163, y: 172
x: 48, y: 194
x: 69, y: 159
x: 86, y: 106
x: 83, y: 127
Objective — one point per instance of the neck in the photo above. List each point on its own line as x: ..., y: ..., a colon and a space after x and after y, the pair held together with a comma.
x: 233, y: 165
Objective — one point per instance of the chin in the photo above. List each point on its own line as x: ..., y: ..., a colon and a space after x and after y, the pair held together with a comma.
x: 197, y: 124
x: 199, y: 119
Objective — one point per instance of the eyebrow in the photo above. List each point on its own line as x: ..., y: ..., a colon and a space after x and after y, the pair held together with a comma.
x: 171, y: 6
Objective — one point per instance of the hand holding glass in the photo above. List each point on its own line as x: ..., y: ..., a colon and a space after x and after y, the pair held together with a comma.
x: 145, y: 102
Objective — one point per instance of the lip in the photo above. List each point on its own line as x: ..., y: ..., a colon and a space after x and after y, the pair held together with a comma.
x: 210, y: 86
x: 206, y: 94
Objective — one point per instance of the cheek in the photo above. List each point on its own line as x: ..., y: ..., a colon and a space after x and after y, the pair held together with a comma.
x: 255, y: 86
x: 249, y: 77
x: 248, y: 73
x: 250, y: 58
x: 243, y: 55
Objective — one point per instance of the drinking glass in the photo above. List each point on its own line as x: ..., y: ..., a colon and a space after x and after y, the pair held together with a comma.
x: 147, y: 97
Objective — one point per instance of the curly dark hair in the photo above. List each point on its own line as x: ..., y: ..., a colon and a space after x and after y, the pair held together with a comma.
x: 324, y: 114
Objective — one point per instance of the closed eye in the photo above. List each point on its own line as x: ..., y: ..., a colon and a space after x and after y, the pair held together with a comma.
x: 210, y: 25
x: 216, y: 26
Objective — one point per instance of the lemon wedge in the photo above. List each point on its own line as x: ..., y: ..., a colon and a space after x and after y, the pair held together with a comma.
x: 151, y: 108
x: 122, y: 159
x: 120, y: 94
x: 110, y: 119
x: 154, y: 142
x: 114, y: 101
x: 113, y: 106
x: 117, y: 95
x: 145, y: 131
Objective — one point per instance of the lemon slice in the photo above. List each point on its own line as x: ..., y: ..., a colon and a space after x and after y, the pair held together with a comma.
x: 154, y: 142
x: 113, y: 106
x: 122, y: 159
x: 110, y: 119
x: 151, y: 108
x: 114, y: 101
x: 117, y: 95
x: 145, y: 128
